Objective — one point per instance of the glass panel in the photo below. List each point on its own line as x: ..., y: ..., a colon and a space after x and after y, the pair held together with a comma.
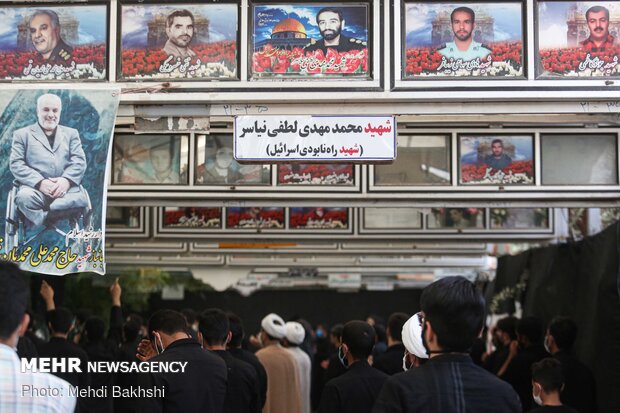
x: 519, y: 218
x: 150, y: 159
x: 215, y: 164
x: 254, y: 218
x: 456, y: 218
x: 123, y: 217
x: 392, y: 218
x: 421, y: 160
x: 191, y: 217
x: 315, y: 174
x: 579, y: 159
x: 319, y: 218
x: 496, y: 159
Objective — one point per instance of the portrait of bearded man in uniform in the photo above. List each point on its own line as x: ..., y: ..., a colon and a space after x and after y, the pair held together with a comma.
x: 331, y: 24
x: 44, y: 28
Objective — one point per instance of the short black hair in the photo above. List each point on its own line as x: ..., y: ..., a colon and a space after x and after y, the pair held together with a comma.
x: 167, y: 321
x: 564, y: 332
x: 236, y: 328
x: 131, y: 327
x: 213, y: 325
x: 14, y: 298
x: 396, y: 321
x: 359, y: 336
x: 455, y: 309
x: 532, y: 328
x: 501, y: 142
x: 95, y: 329
x: 508, y: 325
x: 178, y: 13
x: 548, y: 373
x: 61, y: 320
x: 464, y: 9
x: 329, y: 9
x: 597, y: 9
x: 190, y: 315
x: 336, y: 331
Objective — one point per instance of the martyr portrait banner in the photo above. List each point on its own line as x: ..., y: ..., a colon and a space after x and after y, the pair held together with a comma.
x: 53, y: 178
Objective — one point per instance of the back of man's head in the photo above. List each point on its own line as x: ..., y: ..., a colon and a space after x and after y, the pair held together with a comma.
x: 530, y: 328
x: 236, y: 329
x: 132, y: 327
x: 509, y: 326
x: 359, y: 336
x: 455, y: 310
x: 14, y: 298
x: 564, y: 332
x: 168, y: 322
x: 60, y: 320
x: 190, y: 315
x: 548, y: 373
x: 213, y: 325
x: 395, y: 325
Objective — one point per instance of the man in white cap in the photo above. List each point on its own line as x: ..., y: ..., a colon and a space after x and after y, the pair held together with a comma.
x: 295, y: 335
x: 415, y: 353
x: 283, y: 388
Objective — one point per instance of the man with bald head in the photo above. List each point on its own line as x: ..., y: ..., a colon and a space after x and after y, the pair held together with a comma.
x: 48, y: 162
x: 44, y: 27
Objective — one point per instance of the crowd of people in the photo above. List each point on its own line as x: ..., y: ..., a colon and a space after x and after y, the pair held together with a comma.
x: 434, y: 361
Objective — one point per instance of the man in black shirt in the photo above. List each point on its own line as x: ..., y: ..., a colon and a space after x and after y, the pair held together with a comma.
x: 234, y: 348
x: 453, y: 312
x: 547, y: 383
x: 391, y: 362
x: 356, y: 390
x: 201, y: 387
x: 579, y: 386
x: 242, y: 387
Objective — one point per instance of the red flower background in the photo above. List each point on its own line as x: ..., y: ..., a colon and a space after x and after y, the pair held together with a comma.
x: 234, y: 215
x: 300, y: 216
x: 564, y: 61
x: 272, y: 60
x: 320, y: 171
x: 173, y: 217
x: 476, y: 172
x: 427, y: 60
x: 12, y: 64
x: 147, y: 61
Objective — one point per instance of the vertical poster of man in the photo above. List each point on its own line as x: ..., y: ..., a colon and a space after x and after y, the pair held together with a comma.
x: 462, y: 40
x: 315, y: 174
x: 47, y: 42
x: 150, y: 159
x: 191, y: 217
x: 496, y: 160
x: 178, y: 41
x: 53, y: 178
x: 578, y: 39
x: 319, y: 218
x: 310, y: 39
x: 254, y: 218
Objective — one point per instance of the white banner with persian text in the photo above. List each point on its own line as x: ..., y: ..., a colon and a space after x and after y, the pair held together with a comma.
x: 315, y: 138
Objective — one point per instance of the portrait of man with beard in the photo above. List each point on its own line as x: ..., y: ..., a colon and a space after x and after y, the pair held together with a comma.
x: 598, y: 23
x: 331, y: 24
x: 180, y: 32
x: 463, y: 47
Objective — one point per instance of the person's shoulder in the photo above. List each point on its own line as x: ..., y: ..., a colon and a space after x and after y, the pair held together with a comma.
x: 353, y: 41
x: 313, y: 45
x: 67, y: 130
x: 446, y: 46
x: 25, y: 130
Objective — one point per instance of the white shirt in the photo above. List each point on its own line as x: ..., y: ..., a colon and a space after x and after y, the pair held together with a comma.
x: 304, y: 368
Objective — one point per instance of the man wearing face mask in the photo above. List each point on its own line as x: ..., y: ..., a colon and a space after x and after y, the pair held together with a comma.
x: 453, y: 310
x: 14, y: 299
x: 547, y: 383
x: 356, y: 390
x: 579, y: 385
x: 283, y: 388
x: 200, y: 388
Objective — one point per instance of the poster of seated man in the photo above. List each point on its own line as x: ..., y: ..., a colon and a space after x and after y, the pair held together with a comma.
x: 54, y: 179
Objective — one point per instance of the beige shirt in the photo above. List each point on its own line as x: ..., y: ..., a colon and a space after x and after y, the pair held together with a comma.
x: 172, y: 49
x: 283, y: 388
x: 304, y: 366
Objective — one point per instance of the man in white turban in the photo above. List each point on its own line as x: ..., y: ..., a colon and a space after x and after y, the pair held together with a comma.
x: 283, y: 388
x: 415, y: 353
x: 295, y: 334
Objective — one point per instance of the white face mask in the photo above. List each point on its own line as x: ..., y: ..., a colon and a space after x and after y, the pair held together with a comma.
x: 546, y: 344
x: 537, y: 399
x: 405, y: 368
x: 157, y: 348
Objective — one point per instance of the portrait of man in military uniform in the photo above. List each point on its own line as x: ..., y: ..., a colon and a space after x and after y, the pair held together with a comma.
x: 597, y: 18
x: 331, y: 24
x: 463, y: 47
x: 180, y: 32
x: 44, y: 27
